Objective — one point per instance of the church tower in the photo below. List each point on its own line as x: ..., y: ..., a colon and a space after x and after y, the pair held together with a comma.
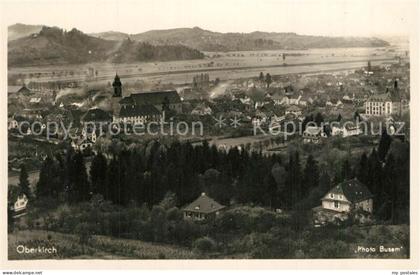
x: 117, y: 86
x: 116, y: 97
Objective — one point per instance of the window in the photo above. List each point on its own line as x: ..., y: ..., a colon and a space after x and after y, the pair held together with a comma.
x: 332, y: 195
x: 336, y: 204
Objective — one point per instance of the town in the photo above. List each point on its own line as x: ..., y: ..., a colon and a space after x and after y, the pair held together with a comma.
x: 267, y: 157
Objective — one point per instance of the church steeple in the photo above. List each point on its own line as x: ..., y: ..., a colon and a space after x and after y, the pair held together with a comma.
x: 117, y: 86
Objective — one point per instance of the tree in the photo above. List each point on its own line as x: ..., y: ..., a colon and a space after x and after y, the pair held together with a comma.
x: 78, y: 179
x: 98, y: 173
x: 346, y: 171
x: 310, y: 175
x: 384, y: 145
x: 169, y: 201
x: 362, y: 171
x: 356, y: 116
x: 268, y: 80
x: 261, y: 77
x: 49, y: 179
x: 319, y: 119
x: 307, y: 119
x: 24, y: 187
x: 84, y: 231
x: 294, y: 181
x: 324, y: 183
x: 203, y: 245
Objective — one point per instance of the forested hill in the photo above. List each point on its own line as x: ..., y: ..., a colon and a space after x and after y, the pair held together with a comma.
x: 205, y: 40
x: 56, y: 46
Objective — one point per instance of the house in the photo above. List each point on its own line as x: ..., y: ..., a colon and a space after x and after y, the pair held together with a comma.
x: 96, y: 116
x: 386, y: 104
x: 19, y: 207
x: 295, y: 110
x: 313, y: 134
x: 346, y: 129
x: 82, y: 144
x: 18, y: 90
x: 342, y: 200
x: 277, y: 98
x: 379, y: 105
x: 12, y: 123
x: 347, y: 196
x: 203, y: 208
x: 291, y: 100
x: 334, y: 103
x: 201, y: 110
x: 139, y: 114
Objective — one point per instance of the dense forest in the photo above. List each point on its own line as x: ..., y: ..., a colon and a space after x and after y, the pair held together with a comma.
x: 146, y: 173
x: 137, y: 192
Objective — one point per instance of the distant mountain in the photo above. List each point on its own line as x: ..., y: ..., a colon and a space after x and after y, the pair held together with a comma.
x: 56, y: 46
x: 17, y: 31
x: 205, y: 40
x: 111, y: 35
x: 41, y: 45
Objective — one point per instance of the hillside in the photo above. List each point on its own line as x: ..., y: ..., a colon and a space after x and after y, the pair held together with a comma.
x: 205, y: 40
x: 55, y: 46
x: 111, y: 35
x: 17, y: 31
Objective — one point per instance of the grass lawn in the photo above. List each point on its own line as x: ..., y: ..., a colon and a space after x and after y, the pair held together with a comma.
x: 99, y: 247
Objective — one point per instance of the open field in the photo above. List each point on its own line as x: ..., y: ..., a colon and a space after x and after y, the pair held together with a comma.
x: 225, y: 66
x: 99, y: 247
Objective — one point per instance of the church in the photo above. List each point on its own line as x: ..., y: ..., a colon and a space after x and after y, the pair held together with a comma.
x: 142, y: 107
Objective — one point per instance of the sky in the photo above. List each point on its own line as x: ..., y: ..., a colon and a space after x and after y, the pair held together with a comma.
x: 312, y: 17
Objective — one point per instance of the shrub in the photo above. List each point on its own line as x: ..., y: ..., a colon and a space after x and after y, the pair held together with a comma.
x: 203, y: 245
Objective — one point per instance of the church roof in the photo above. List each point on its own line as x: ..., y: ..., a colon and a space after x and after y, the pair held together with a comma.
x: 138, y: 110
x: 154, y: 97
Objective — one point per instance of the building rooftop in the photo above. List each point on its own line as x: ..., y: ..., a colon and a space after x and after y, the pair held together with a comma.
x: 138, y: 110
x: 95, y: 115
x: 204, y: 204
x: 313, y: 130
x: 152, y: 98
x: 353, y: 190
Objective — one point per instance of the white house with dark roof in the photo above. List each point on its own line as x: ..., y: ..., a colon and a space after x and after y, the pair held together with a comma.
x: 313, y: 134
x: 348, y: 195
x: 346, y: 129
x: 203, y: 208
x: 345, y: 198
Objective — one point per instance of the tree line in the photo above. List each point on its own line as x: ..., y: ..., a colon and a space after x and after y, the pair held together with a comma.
x: 145, y: 174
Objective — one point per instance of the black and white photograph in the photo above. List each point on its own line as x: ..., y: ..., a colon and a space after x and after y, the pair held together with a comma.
x: 208, y: 130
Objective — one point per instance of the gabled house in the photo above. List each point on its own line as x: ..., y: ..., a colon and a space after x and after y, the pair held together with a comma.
x: 201, y: 110
x: 295, y: 110
x: 346, y: 129
x: 203, y: 208
x: 347, y: 196
x: 19, y: 207
x: 313, y: 134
